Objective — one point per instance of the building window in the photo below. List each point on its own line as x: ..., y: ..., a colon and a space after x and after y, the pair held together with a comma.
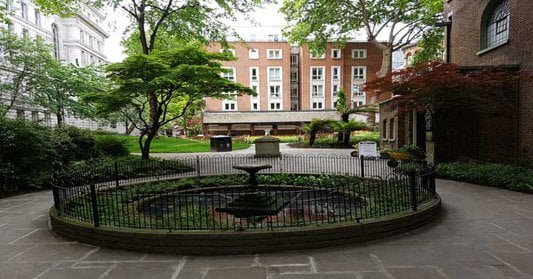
x: 336, y: 53
x: 255, y: 106
x: 317, y: 90
x: 274, y: 74
x: 35, y: 116
x: 37, y: 18
x: 274, y: 91
x: 359, y: 74
x: 317, y: 73
x: 91, y: 41
x: 294, y: 92
x: 294, y: 76
x: 358, y: 53
x: 317, y: 54
x: 391, y: 129
x: 230, y: 106
x: 336, y: 73
x: 294, y: 60
x: 25, y: 33
x: 254, y: 74
x: 82, y: 36
x: 229, y: 74
x: 55, y: 39
x: 384, y: 129
x: 47, y: 119
x: 253, y: 53
x: 496, y: 24
x: 20, y: 114
x: 318, y: 105
x: 24, y: 10
x: 274, y: 54
x: 275, y: 106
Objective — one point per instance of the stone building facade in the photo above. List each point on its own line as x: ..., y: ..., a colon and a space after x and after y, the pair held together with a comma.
x: 293, y: 84
x: 78, y: 40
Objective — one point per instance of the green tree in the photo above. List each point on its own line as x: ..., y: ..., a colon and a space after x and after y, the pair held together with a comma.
x: 148, y: 86
x: 431, y: 46
x: 346, y: 128
x: 314, y: 127
x: 23, y: 58
x: 400, y: 21
x: 345, y: 110
x: 59, y: 89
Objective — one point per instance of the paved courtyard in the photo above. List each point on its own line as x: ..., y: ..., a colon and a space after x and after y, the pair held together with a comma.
x: 483, y: 233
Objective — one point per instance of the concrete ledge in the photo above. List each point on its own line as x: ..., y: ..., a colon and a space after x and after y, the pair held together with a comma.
x: 247, y: 242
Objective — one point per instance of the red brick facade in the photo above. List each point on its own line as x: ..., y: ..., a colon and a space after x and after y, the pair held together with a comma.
x: 468, y: 47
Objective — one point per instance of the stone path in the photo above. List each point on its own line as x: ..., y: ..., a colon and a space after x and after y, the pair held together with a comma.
x: 484, y: 233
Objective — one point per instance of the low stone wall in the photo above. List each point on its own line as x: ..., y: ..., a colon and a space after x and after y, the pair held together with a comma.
x: 247, y: 242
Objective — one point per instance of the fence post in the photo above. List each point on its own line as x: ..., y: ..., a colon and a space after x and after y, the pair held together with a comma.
x: 412, y: 185
x: 94, y: 203
x: 432, y: 184
x: 57, y: 200
x: 116, y: 174
x: 362, y: 165
x: 197, y: 165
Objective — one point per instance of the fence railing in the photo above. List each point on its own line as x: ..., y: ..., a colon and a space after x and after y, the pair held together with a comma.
x: 342, y: 189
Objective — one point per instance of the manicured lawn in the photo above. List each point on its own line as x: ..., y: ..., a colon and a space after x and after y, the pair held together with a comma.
x: 174, y: 145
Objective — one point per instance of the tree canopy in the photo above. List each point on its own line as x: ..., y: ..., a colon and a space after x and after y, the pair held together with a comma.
x: 60, y: 88
x: 399, y: 22
x: 25, y: 58
x: 147, y: 86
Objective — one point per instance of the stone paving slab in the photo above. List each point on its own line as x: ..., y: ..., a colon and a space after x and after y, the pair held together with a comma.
x: 484, y: 233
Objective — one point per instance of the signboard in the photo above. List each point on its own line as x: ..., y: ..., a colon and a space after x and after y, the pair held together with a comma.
x: 367, y: 149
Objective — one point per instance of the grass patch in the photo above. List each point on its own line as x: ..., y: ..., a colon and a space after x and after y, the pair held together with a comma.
x: 173, y: 145
x: 490, y: 174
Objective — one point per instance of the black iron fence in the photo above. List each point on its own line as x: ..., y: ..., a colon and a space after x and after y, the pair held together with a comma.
x: 206, y: 193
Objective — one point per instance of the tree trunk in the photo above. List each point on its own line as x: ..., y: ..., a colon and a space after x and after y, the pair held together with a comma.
x: 312, y: 137
x: 347, y: 138
x: 146, y: 146
x: 129, y: 129
x: 60, y: 120
x: 386, y: 62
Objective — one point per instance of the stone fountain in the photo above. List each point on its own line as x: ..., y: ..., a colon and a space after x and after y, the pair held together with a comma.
x: 253, y: 205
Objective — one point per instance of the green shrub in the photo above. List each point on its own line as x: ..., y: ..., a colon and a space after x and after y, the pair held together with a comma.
x: 28, y: 155
x: 111, y: 146
x: 75, y: 144
x: 490, y: 174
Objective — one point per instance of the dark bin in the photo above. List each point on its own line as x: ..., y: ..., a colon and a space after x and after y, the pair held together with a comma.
x: 220, y: 143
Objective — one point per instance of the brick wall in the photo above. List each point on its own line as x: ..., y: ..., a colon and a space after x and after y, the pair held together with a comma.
x: 465, y: 41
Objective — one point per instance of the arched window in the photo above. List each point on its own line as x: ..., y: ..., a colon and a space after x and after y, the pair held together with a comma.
x: 55, y: 38
x: 495, y: 29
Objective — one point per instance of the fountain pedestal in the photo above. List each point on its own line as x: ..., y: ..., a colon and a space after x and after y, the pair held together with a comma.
x: 252, y: 170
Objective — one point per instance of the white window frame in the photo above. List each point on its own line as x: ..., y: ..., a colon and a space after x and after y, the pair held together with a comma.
x: 339, y: 73
x: 232, y: 95
x: 313, y: 55
x: 271, y: 51
x: 359, y: 51
x: 24, y: 10
x: 322, y: 76
x: 338, y: 50
x: 253, y: 53
x: 360, y: 96
x: 314, y: 93
x: 255, y: 83
x: 275, y: 83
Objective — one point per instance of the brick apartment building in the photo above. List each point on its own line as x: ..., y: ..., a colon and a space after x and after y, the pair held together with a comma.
x: 293, y: 85
x: 480, y: 34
